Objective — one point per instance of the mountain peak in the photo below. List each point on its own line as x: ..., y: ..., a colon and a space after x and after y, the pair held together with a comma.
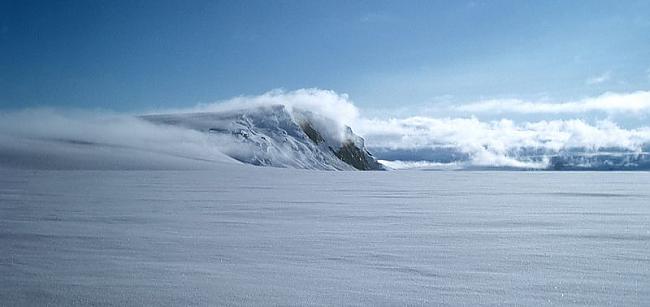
x: 275, y: 136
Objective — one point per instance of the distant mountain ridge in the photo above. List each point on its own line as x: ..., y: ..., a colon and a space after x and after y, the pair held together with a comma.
x: 276, y: 136
x: 571, y: 159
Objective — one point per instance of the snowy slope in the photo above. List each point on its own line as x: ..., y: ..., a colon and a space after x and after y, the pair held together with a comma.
x: 275, y: 136
x: 263, y: 135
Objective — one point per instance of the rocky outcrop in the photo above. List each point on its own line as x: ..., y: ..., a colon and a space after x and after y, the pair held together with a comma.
x: 278, y: 137
x: 351, y: 150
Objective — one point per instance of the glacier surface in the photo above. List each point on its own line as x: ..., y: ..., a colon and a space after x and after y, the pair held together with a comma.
x: 244, y: 235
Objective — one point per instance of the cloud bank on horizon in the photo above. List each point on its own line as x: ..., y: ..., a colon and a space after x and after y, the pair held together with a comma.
x: 77, y: 139
x: 636, y: 103
x: 591, y: 127
x: 472, y: 140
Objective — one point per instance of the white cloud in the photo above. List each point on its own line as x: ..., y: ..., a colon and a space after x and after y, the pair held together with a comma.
x: 472, y: 135
x: 604, y: 77
x: 635, y: 102
x: 82, y: 139
x: 326, y: 103
x: 337, y: 108
x: 397, y: 164
x: 489, y: 143
x: 78, y: 139
x: 496, y: 143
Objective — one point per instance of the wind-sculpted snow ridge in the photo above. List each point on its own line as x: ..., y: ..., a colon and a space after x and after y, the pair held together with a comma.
x: 271, y: 135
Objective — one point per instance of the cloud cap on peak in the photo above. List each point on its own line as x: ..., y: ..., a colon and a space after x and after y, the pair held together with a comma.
x: 326, y: 103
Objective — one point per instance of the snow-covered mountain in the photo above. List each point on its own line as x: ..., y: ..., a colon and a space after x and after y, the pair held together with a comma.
x: 274, y: 135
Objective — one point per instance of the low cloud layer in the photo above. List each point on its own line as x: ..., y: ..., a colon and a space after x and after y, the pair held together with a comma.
x: 499, y: 143
x: 502, y: 135
x: 73, y: 136
x: 610, y: 103
x: 65, y: 139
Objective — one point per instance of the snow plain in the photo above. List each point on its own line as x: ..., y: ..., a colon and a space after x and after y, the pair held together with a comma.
x: 244, y: 235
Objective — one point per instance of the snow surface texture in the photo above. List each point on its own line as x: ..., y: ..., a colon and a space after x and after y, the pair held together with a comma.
x: 245, y: 235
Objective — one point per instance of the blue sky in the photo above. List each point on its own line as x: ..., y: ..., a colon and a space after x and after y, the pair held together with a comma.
x: 138, y: 55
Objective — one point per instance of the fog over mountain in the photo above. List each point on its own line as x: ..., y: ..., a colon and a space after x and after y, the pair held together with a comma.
x: 320, y: 129
x: 274, y: 135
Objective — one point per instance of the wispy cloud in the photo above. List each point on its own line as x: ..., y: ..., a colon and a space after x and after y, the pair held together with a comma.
x: 72, y: 137
x: 635, y: 102
x: 602, y: 78
x: 326, y: 103
x: 99, y: 140
x: 377, y: 17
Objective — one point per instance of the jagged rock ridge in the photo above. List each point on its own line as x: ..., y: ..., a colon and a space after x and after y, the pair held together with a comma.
x: 351, y: 151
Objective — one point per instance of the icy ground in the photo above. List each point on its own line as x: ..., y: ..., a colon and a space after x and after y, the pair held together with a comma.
x: 243, y: 235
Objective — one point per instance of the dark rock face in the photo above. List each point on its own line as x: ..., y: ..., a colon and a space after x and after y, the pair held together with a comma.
x: 313, y: 135
x: 356, y: 156
x: 359, y: 158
